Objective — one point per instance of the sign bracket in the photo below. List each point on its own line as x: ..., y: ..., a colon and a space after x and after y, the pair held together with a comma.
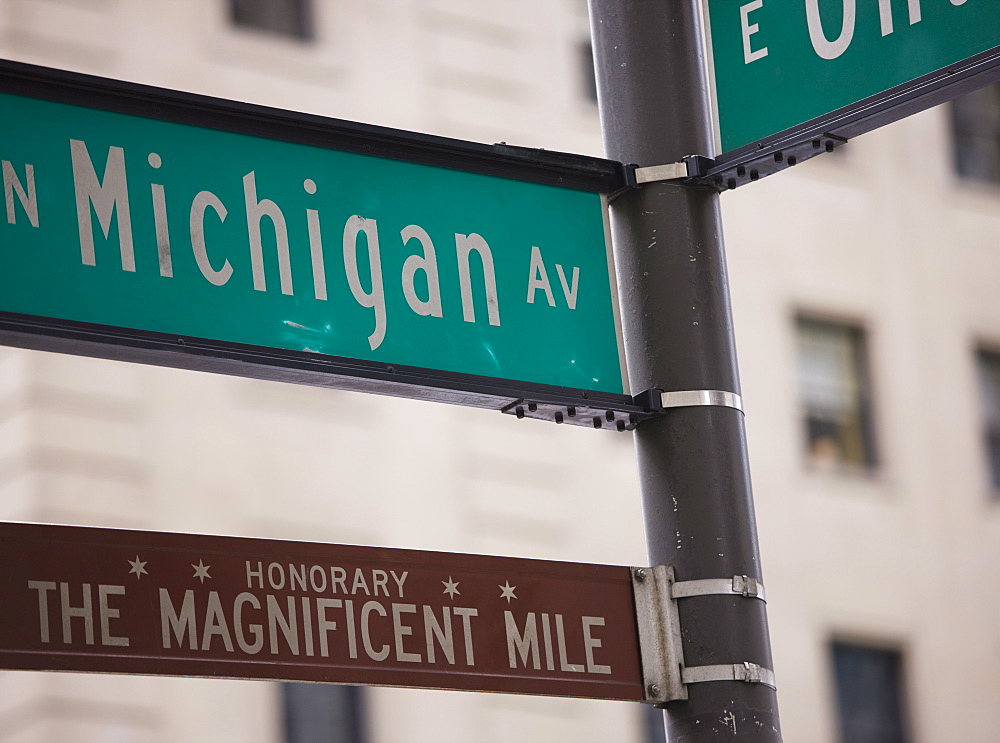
x: 665, y: 677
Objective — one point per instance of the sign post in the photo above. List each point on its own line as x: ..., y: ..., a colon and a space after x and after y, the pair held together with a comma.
x: 693, y: 467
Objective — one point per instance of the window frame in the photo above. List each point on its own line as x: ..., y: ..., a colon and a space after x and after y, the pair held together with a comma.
x: 863, y: 370
x: 901, y: 671
x: 306, y: 26
x: 987, y: 353
x: 960, y: 132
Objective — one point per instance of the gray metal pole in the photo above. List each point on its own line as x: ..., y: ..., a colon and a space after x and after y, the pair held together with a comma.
x: 693, y: 463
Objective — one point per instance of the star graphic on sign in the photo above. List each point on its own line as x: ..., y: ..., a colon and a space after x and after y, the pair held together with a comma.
x: 507, y: 591
x: 451, y: 587
x: 201, y: 571
x: 138, y: 567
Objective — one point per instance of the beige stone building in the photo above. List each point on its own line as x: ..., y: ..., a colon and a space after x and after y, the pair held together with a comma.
x: 865, y: 290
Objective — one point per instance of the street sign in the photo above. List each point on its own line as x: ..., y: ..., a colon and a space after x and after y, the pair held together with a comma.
x: 169, y: 228
x: 791, y: 73
x: 105, y: 600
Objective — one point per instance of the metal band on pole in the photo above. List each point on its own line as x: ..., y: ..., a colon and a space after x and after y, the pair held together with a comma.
x: 749, y: 673
x: 739, y: 585
x: 694, y: 398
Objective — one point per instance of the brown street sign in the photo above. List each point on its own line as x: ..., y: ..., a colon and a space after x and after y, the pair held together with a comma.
x: 116, y: 601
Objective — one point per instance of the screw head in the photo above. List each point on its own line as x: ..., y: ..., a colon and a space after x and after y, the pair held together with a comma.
x: 640, y: 574
x: 653, y: 690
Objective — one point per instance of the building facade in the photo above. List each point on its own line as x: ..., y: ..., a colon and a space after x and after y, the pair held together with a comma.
x: 867, y: 316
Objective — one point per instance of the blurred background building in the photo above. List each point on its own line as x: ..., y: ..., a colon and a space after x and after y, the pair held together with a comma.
x: 866, y: 291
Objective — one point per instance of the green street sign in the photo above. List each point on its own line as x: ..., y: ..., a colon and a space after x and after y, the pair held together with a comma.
x: 144, y: 219
x: 778, y: 64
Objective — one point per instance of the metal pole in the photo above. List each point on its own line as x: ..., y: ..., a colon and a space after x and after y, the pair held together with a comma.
x: 693, y: 465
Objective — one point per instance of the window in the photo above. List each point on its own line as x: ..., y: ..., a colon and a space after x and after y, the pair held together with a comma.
x: 869, y: 694
x: 975, y: 120
x: 322, y: 713
x: 291, y: 18
x: 989, y: 395
x: 834, y: 390
x: 588, y: 76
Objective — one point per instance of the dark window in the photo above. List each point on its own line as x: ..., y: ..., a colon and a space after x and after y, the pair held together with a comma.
x: 322, y: 713
x: 292, y: 18
x: 989, y: 394
x: 975, y: 119
x: 869, y: 694
x: 835, y: 394
x: 588, y: 77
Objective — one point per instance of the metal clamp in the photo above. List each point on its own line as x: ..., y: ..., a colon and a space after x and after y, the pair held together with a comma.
x: 750, y: 673
x: 654, y: 173
x: 659, y: 635
x: 691, y: 166
x: 740, y: 585
x: 694, y: 398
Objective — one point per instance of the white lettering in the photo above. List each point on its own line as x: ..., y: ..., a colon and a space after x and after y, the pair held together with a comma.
x: 256, y: 630
x: 257, y: 210
x: 215, y: 624
x: 70, y: 612
x: 526, y: 644
x: 307, y: 626
x: 464, y: 245
x: 467, y: 615
x: 12, y: 185
x: 749, y: 29
x: 297, y: 577
x: 885, y: 16
x: 169, y: 619
x: 443, y: 634
x: 110, y: 196
x: 272, y: 569
x: 400, y: 630
x: 824, y: 47
x: 107, y: 614
x: 564, y: 665
x: 43, y: 587
x: 338, y: 577
x: 538, y: 278
x: 547, y: 642
x: 258, y: 574
x: 375, y: 299
x: 400, y: 580
x: 315, y: 244
x: 317, y: 585
x: 324, y: 625
x: 352, y: 638
x: 569, y: 291
x: 289, y: 624
x: 200, y: 203
x: 366, y: 637
x: 359, y: 582
x: 380, y: 579
x: 590, y: 642
x: 426, y: 263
